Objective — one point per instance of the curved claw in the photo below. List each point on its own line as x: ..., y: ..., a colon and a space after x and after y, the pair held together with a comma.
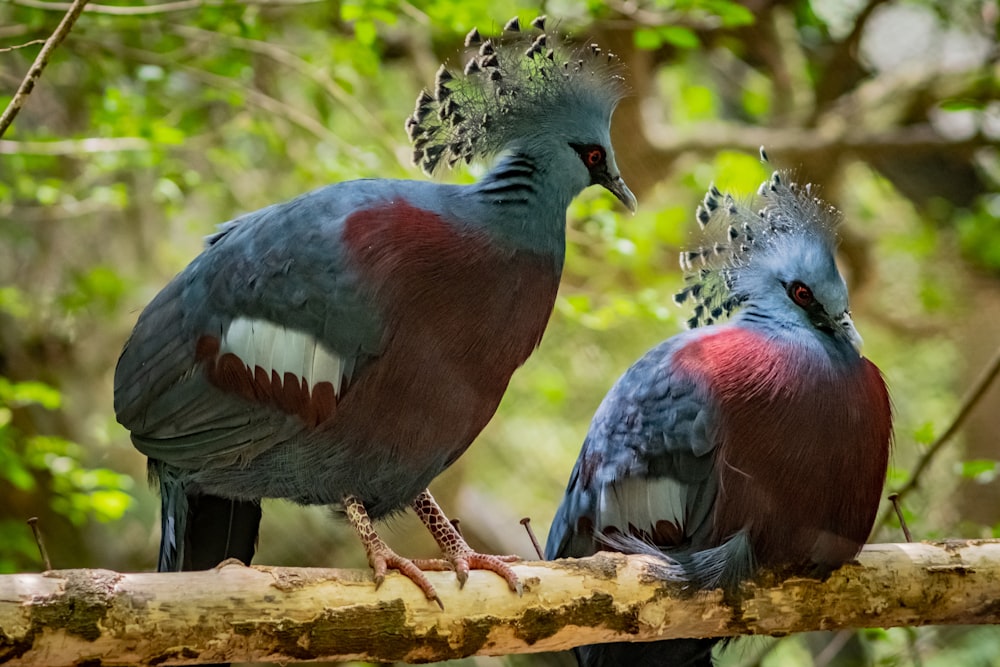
x: 463, y: 563
x: 386, y: 558
x: 456, y: 549
x: 380, y: 556
x: 497, y: 564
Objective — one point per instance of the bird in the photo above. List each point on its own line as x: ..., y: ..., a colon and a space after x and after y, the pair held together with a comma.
x: 345, y: 347
x: 757, y: 438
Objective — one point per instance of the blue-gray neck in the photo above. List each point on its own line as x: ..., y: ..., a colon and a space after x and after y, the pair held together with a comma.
x: 522, y: 200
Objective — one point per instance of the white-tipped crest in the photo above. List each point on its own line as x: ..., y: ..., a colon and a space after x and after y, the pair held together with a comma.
x: 736, y: 235
x: 508, y: 87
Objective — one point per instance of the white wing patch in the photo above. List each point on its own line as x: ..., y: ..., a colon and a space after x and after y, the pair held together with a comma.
x: 641, y: 502
x: 276, y: 349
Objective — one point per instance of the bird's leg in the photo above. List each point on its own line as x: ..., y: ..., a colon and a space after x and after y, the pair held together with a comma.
x: 456, y: 550
x: 380, y: 556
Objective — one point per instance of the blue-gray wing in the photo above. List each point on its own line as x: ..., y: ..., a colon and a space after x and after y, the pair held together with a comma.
x: 273, y: 289
x: 645, y: 471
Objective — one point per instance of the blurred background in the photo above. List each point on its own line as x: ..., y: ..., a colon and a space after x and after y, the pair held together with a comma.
x: 153, y: 123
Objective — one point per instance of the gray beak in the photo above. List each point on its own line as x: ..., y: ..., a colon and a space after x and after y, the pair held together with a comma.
x: 616, y: 186
x: 846, y: 325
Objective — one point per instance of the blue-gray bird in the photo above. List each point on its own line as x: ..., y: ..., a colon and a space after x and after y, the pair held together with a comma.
x: 347, y: 346
x: 759, y: 442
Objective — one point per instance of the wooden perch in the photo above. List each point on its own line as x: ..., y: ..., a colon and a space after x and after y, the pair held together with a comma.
x: 274, y: 614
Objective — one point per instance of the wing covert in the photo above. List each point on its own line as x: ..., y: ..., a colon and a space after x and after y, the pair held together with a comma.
x: 646, y: 467
x: 270, y: 313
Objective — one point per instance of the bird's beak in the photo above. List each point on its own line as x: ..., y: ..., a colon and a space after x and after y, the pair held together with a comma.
x: 616, y: 186
x: 846, y: 325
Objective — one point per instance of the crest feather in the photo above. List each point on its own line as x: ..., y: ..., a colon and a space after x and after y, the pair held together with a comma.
x: 508, y: 87
x: 736, y: 234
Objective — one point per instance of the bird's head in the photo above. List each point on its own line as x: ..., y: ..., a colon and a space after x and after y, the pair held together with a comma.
x: 526, y: 92
x: 774, y: 259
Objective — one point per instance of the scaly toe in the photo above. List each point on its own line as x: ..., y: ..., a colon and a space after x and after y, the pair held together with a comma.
x: 496, y: 564
x: 433, y: 564
x: 408, y: 569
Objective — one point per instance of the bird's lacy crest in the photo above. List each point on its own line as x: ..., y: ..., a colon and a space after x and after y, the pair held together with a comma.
x: 737, y: 235
x: 510, y: 87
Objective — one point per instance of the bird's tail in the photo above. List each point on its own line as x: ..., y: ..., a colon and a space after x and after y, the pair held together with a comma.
x: 724, y: 566
x: 199, y: 530
x: 173, y: 525
x: 219, y: 528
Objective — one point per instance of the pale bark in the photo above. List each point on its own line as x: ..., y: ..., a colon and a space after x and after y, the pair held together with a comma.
x: 284, y: 614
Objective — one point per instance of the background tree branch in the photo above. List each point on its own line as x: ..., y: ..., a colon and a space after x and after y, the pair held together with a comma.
x: 274, y: 614
x: 37, y: 67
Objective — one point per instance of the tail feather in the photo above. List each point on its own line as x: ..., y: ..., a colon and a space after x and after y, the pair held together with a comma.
x: 219, y: 528
x: 723, y: 566
x: 173, y: 526
x: 199, y: 530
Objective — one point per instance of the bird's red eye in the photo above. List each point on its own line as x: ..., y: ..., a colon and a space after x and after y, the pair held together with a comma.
x: 593, y: 155
x: 800, y: 294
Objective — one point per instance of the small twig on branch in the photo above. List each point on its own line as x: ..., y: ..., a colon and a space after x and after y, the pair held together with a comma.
x: 8, y: 49
x: 33, y: 522
x: 37, y: 67
x: 526, y: 522
x: 894, y: 499
x: 969, y: 401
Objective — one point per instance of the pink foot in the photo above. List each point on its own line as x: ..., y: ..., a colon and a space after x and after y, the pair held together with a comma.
x: 457, y: 552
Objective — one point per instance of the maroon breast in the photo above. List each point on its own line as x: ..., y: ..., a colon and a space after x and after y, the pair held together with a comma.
x: 460, y: 315
x: 803, y: 446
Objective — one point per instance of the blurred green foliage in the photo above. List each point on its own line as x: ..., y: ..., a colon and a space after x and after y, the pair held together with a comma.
x: 151, y: 127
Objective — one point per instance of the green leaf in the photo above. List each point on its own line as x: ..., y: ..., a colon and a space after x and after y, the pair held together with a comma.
x: 650, y: 39
x: 962, y: 104
x: 733, y: 14
x: 978, y: 468
x: 13, y: 302
x: 19, y: 394
x: 100, y: 287
x: 109, y: 504
x: 13, y: 470
x: 647, y: 39
x: 924, y: 433
x: 699, y: 101
x: 681, y: 37
x: 896, y: 477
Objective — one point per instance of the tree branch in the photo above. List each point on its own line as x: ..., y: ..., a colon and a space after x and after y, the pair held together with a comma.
x: 157, y: 8
x: 235, y: 613
x: 31, y: 78
x: 75, y: 146
x: 969, y: 401
x: 790, y: 141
